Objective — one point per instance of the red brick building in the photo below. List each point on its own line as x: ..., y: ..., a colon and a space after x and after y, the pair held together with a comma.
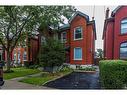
x: 79, y: 38
x: 115, y: 34
x: 26, y: 52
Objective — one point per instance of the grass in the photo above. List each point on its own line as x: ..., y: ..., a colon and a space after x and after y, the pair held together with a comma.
x: 20, y: 72
x: 45, y: 77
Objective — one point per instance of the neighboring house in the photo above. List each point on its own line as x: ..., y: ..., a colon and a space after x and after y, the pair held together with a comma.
x: 115, y: 34
x: 26, y: 52
x: 79, y: 37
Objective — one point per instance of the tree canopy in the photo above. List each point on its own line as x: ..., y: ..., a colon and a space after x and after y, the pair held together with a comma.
x: 18, y: 21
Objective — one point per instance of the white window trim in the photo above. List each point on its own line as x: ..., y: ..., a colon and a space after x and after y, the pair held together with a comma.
x: 81, y: 33
x: 62, y: 37
x: 74, y: 53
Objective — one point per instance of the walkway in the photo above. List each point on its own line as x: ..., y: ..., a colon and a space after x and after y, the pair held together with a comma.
x: 14, y: 84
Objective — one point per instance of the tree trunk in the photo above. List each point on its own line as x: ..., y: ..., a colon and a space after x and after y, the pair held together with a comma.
x: 8, y: 61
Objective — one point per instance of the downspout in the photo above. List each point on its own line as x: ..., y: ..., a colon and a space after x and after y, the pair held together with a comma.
x: 113, y: 41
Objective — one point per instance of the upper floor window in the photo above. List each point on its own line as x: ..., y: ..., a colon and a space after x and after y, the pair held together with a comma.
x: 124, y: 26
x: 123, y: 50
x: 78, y: 33
x: 63, y: 37
x: 77, y: 53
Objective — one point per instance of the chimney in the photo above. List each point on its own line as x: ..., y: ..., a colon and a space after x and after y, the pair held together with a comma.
x: 107, y: 13
x: 92, y: 18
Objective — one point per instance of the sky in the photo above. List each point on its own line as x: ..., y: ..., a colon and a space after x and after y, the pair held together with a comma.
x: 99, y: 15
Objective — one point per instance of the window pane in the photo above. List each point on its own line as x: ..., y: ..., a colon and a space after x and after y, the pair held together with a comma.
x: 124, y: 30
x: 78, y: 30
x: 25, y: 56
x: 78, y: 36
x: 78, y: 53
x: 123, y: 51
x: 123, y: 45
x: 124, y: 26
x: 78, y: 33
x: 124, y: 21
x: 64, y: 36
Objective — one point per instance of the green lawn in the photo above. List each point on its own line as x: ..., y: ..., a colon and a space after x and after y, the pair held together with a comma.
x: 20, y: 72
x: 44, y: 78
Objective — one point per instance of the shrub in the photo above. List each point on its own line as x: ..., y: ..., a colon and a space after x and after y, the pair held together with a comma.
x: 27, y: 64
x: 52, y: 54
x: 113, y: 74
x: 91, y: 68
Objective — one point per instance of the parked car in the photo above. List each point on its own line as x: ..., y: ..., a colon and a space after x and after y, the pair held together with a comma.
x: 1, y: 73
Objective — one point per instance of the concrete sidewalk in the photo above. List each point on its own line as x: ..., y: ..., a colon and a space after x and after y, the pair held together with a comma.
x: 15, y: 84
x: 11, y: 84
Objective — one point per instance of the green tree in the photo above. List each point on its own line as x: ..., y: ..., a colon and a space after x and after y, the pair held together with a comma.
x: 18, y: 21
x: 53, y: 53
x: 100, y: 53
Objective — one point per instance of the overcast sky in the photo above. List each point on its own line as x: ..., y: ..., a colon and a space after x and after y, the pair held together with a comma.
x: 99, y: 15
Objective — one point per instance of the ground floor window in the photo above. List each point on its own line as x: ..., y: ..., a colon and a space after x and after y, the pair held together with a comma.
x: 0, y: 56
x: 25, y: 55
x: 19, y: 57
x: 77, y: 53
x: 123, y: 50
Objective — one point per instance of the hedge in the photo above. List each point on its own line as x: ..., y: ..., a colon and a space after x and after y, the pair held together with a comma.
x: 113, y: 74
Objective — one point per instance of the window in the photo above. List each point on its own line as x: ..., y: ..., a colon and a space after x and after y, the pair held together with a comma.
x: 78, y: 33
x: 0, y: 56
x: 124, y: 26
x: 25, y: 55
x: 78, y: 53
x: 123, y: 51
x: 63, y: 37
x: 43, y: 40
x: 18, y: 56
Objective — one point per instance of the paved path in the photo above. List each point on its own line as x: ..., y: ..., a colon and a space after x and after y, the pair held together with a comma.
x: 14, y: 84
x: 11, y: 84
x: 76, y: 80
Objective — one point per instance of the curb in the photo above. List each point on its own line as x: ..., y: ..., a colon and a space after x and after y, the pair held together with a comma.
x: 85, y: 71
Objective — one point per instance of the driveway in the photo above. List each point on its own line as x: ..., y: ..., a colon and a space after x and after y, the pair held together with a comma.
x: 76, y: 80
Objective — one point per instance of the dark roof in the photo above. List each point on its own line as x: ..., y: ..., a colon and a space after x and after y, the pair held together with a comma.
x: 67, y: 26
x: 64, y: 27
x: 115, y: 10
x: 81, y: 14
